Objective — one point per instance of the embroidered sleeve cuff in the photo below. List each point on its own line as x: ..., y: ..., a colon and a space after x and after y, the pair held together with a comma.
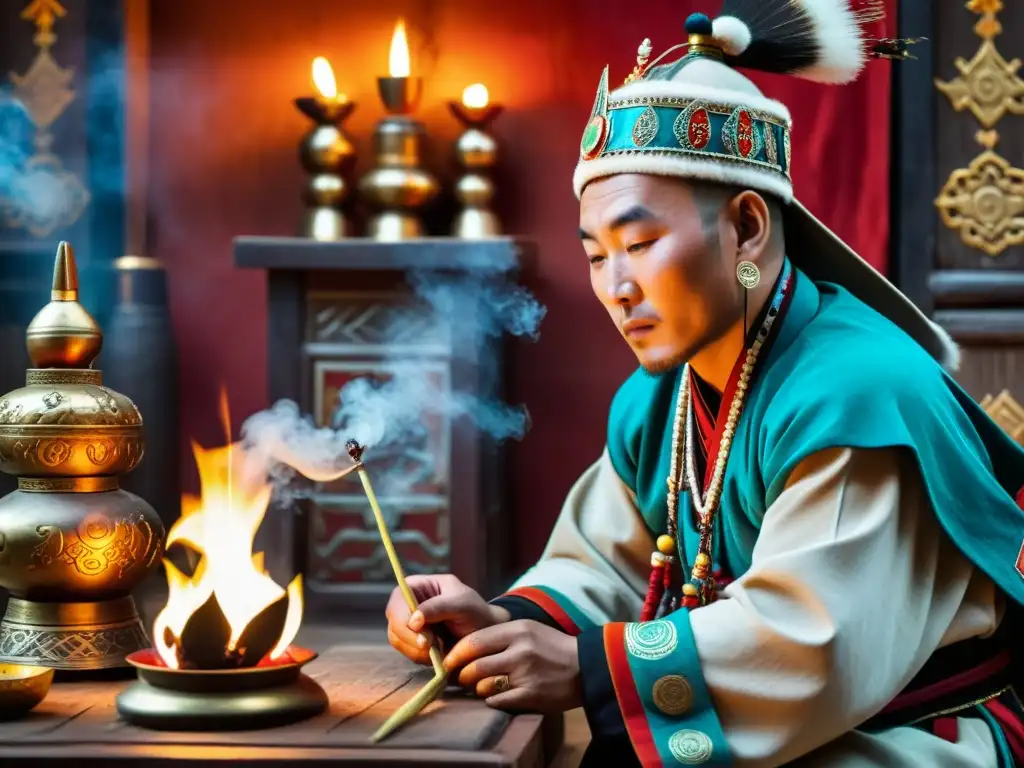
x: 547, y: 606
x: 661, y: 694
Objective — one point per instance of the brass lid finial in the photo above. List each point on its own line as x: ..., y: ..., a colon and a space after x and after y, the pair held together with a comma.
x: 63, y: 334
x: 65, y: 274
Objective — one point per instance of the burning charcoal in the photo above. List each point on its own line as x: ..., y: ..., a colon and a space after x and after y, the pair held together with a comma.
x: 204, y: 639
x: 262, y: 633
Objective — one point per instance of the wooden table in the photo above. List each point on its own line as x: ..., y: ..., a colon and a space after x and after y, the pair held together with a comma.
x: 78, y: 723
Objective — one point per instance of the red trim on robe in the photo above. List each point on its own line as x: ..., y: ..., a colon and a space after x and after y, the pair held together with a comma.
x: 549, y: 605
x: 1012, y: 727
x: 947, y: 729
x: 630, y: 705
x: 950, y: 684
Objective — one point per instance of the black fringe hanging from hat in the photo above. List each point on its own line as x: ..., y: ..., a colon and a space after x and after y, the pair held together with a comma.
x: 819, y: 40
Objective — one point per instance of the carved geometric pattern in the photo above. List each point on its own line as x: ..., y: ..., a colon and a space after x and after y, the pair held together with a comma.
x: 1007, y: 413
x: 361, y: 320
x: 345, y: 546
x: 409, y: 470
x: 985, y: 203
x: 69, y: 649
x: 988, y: 86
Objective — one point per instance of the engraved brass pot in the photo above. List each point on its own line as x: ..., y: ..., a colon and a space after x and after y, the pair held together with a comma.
x: 73, y: 545
x: 64, y: 424
x: 76, y: 546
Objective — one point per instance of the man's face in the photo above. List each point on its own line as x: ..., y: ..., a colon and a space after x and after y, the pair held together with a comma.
x: 658, y: 270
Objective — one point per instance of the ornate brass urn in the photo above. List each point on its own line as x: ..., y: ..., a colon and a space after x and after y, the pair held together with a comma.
x: 72, y: 544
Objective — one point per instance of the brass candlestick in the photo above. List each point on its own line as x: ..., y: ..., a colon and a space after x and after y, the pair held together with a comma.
x: 476, y: 151
x: 73, y: 545
x: 398, y: 187
x: 327, y: 155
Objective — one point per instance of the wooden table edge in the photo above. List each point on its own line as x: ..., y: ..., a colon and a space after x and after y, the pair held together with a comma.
x: 521, y: 745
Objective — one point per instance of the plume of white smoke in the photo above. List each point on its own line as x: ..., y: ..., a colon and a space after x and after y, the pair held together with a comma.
x: 476, y: 309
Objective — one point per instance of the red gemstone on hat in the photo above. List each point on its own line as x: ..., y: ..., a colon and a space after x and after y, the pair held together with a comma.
x: 745, y: 134
x: 699, y: 129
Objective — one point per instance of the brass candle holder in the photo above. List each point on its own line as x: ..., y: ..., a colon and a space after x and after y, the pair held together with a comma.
x: 398, y: 186
x: 476, y: 152
x: 327, y: 156
x: 73, y: 545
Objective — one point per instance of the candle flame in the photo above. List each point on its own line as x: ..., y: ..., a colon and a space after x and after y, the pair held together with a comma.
x: 475, y: 96
x: 398, y: 59
x: 323, y: 78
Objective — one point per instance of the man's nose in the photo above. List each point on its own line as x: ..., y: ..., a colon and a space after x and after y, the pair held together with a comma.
x: 622, y: 287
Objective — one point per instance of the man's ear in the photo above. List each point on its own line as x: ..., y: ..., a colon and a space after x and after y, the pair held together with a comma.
x: 752, y: 220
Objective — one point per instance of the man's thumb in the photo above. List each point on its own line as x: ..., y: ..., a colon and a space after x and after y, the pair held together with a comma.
x: 435, y: 610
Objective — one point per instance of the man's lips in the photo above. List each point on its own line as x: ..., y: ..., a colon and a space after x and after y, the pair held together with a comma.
x: 637, y: 327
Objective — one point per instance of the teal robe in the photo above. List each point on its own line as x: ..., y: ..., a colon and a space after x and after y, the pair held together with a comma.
x: 837, y: 375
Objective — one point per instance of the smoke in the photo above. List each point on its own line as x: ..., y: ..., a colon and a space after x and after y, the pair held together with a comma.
x: 388, y: 414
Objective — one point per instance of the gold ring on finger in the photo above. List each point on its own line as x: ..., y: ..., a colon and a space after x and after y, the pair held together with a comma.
x: 502, y: 684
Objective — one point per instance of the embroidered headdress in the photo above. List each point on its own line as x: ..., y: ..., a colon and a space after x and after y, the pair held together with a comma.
x: 697, y: 117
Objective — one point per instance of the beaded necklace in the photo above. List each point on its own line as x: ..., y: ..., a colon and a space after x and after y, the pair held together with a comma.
x: 700, y: 589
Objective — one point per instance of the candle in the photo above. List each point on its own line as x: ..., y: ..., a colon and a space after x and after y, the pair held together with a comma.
x: 398, y: 57
x: 475, y: 96
x: 399, y: 91
x: 323, y: 80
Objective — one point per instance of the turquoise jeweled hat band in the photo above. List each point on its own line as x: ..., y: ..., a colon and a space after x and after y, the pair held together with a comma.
x: 689, y: 127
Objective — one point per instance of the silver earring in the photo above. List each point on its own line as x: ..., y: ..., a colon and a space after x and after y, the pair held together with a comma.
x: 748, y: 274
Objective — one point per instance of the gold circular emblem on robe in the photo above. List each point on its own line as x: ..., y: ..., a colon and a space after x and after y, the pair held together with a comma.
x: 673, y: 695
x: 690, y: 747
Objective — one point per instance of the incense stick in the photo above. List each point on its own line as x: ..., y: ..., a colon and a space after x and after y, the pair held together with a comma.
x: 432, y: 689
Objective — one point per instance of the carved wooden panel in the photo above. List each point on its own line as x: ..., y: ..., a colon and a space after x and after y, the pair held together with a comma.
x: 958, y: 173
x: 358, y: 309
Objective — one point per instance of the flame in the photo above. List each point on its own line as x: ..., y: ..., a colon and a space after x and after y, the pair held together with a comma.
x: 323, y: 78
x: 220, y: 525
x: 398, y: 58
x: 475, y: 96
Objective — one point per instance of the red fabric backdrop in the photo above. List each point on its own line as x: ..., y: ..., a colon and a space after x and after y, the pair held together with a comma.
x: 223, y: 163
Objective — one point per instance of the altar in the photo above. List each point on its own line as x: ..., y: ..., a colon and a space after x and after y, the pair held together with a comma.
x: 365, y: 682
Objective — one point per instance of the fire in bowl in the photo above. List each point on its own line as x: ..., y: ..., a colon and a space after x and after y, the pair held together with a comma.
x: 223, y: 656
x: 22, y: 688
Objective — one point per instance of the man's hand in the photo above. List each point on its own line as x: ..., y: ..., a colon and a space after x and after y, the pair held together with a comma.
x: 442, y: 600
x: 538, y: 665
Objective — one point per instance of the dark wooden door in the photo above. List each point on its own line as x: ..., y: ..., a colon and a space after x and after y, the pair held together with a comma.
x: 958, y: 187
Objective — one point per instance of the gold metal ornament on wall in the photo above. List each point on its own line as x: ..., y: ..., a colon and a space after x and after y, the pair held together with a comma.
x: 44, y: 195
x: 1007, y: 413
x: 984, y: 202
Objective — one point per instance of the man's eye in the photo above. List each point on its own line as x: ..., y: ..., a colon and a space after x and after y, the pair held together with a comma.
x: 596, y: 259
x: 638, y: 247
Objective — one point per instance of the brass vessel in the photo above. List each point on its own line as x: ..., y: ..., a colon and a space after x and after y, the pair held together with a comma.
x: 73, y: 545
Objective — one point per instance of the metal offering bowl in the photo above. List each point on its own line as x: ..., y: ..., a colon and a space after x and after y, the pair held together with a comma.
x: 270, y: 694
x: 22, y: 688
x: 266, y: 674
